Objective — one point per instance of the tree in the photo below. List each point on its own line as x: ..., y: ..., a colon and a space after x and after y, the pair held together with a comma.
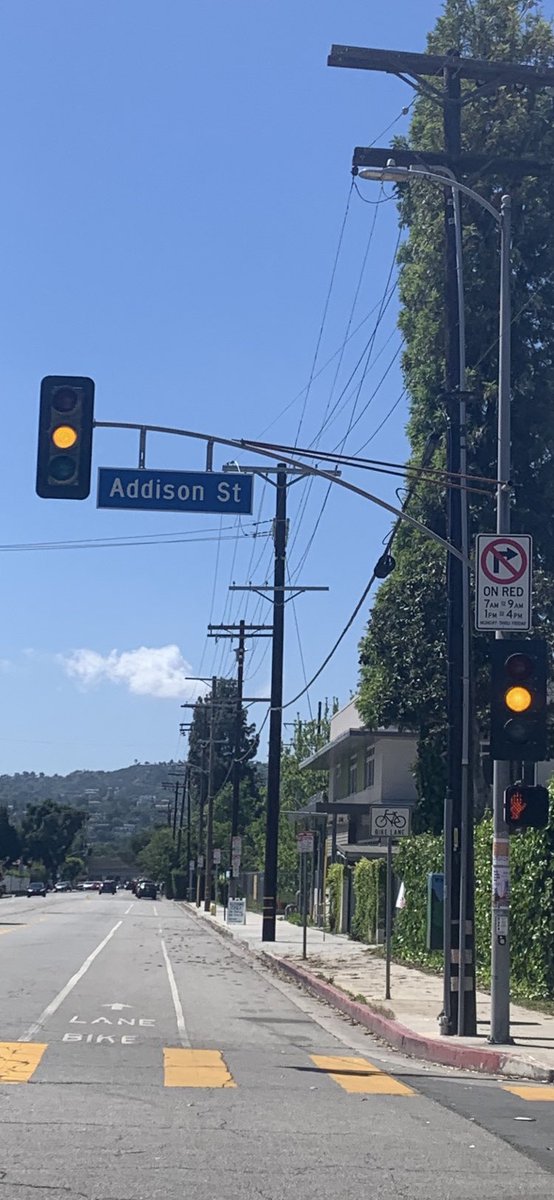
x: 224, y: 714
x: 402, y: 655
x: 10, y: 842
x: 73, y: 867
x: 158, y: 856
x: 48, y: 831
x: 297, y: 786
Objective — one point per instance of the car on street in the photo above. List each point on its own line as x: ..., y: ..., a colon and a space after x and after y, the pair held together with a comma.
x: 146, y: 890
x: 37, y: 889
x: 62, y: 886
x: 108, y: 887
x: 89, y: 886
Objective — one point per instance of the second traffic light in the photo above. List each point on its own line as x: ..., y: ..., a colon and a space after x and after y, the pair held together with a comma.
x: 518, y: 699
x: 65, y: 437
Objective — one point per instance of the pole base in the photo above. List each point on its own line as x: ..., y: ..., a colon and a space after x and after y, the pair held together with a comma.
x: 507, y: 1041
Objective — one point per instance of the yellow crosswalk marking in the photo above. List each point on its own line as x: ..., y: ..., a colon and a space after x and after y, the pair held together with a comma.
x: 527, y: 1092
x: 359, y: 1075
x: 196, y: 1069
x: 19, y: 1060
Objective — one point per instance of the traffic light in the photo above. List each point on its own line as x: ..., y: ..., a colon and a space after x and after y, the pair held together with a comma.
x: 526, y: 806
x: 65, y: 437
x: 518, y: 699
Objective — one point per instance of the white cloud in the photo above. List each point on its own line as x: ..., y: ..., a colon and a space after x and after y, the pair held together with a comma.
x: 159, y: 671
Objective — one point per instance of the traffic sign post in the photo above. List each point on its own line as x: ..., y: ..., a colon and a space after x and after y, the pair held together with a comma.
x: 503, y: 581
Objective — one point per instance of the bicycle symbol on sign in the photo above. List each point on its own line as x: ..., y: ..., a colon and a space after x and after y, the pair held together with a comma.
x: 391, y: 819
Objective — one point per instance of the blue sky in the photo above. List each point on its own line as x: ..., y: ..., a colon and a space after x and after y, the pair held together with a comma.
x: 175, y: 180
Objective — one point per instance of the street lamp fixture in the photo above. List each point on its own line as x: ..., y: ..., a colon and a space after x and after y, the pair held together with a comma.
x: 500, y: 953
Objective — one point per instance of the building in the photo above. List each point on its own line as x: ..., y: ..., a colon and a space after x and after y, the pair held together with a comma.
x: 366, y: 767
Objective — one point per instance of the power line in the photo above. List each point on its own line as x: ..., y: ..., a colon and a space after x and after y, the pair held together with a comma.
x: 325, y: 310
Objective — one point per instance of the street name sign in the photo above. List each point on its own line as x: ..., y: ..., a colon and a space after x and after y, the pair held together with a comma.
x: 175, y: 491
x: 389, y: 820
x: 503, y: 581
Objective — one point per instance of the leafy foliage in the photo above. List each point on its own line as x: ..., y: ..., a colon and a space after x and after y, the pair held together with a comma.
x: 48, y: 832
x: 368, y: 890
x: 158, y: 856
x: 532, y: 905
x: 402, y: 654
x: 335, y: 877
x: 10, y: 842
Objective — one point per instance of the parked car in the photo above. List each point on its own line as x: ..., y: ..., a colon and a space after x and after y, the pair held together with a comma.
x: 107, y: 887
x: 89, y: 886
x: 146, y: 890
x: 37, y: 889
x: 62, y: 886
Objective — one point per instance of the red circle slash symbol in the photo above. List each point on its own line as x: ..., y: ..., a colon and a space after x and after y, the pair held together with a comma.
x: 504, y: 560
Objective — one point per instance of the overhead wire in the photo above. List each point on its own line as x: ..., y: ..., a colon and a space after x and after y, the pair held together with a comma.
x: 325, y: 310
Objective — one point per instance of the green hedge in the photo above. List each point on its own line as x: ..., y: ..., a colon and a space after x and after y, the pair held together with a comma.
x: 334, y: 883
x: 179, y: 884
x: 369, y: 876
x: 532, y: 905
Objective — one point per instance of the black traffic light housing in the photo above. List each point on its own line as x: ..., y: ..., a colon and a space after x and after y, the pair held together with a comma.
x: 526, y: 806
x: 65, y: 437
x: 518, y: 699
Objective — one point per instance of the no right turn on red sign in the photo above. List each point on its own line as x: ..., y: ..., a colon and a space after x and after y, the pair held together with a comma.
x: 503, y: 581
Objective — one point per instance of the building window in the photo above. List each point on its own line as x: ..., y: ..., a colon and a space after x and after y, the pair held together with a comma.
x: 369, y: 767
x: 353, y: 775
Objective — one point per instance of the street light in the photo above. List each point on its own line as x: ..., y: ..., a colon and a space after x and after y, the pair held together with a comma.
x: 500, y: 952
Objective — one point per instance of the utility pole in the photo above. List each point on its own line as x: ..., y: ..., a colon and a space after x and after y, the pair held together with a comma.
x: 182, y: 812
x: 422, y: 71
x: 189, y: 836
x: 242, y: 631
x: 500, y: 931
x: 279, y: 591
x: 210, y: 819
x: 276, y: 712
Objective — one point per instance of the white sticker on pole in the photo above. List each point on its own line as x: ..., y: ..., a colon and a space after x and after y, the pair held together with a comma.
x: 503, y: 581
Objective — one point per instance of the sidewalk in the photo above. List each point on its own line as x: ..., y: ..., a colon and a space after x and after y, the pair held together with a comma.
x: 351, y: 977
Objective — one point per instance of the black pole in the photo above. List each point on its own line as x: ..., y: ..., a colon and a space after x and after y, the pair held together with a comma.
x: 304, y: 858
x: 189, y: 836
x: 388, y: 919
x: 175, y: 807
x: 181, y: 817
x: 237, y: 758
x: 210, y: 820
x: 276, y: 714
x: 199, y: 849
x: 454, y: 620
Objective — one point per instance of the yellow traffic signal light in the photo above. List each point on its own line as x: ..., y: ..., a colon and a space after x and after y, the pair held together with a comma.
x: 65, y: 437
x: 518, y: 699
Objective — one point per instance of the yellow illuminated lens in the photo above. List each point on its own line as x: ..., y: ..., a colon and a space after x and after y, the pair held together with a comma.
x: 518, y: 699
x: 64, y: 437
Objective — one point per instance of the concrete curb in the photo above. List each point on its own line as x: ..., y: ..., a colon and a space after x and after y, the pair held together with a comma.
x: 447, y: 1053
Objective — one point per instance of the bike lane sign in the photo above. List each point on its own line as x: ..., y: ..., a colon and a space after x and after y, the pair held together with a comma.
x: 389, y: 820
x: 503, y: 581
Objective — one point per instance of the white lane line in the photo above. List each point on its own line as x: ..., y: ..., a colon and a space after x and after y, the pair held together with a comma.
x: 59, y: 999
x: 127, y: 910
x: 155, y: 911
x: 185, y: 1040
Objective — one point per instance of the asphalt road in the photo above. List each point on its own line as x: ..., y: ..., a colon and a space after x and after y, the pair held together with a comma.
x: 148, y: 1059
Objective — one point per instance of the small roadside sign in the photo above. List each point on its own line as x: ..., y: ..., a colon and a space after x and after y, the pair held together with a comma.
x: 236, y: 912
x: 503, y: 581
x: 305, y: 842
x: 389, y: 820
x: 217, y: 856
x: 200, y: 861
